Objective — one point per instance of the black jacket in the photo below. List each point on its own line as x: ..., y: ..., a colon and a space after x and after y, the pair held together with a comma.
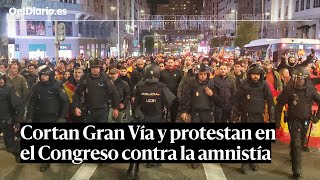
x: 195, y: 99
x: 172, y: 79
x: 225, y: 89
x: 299, y: 102
x: 48, y: 99
x: 97, y: 92
x: 11, y: 105
x: 136, y: 76
x: 123, y: 91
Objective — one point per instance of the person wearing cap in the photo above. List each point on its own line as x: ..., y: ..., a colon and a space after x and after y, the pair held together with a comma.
x: 124, y: 92
x: 98, y: 89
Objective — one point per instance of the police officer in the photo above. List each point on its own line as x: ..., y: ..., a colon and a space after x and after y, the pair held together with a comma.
x: 98, y: 88
x: 48, y: 102
x: 249, y: 103
x: 11, y: 114
x: 151, y: 97
x: 198, y: 98
x: 299, y: 95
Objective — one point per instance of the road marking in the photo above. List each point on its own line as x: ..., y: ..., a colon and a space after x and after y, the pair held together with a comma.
x: 213, y: 171
x: 85, y: 172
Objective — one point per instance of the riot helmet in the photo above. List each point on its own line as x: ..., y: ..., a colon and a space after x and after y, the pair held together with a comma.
x: 203, y: 68
x: 299, y: 77
x: 46, y: 70
x: 152, y: 73
x: 94, y: 63
x: 255, y: 69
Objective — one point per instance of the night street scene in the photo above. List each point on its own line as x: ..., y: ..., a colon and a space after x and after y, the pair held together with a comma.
x: 170, y: 62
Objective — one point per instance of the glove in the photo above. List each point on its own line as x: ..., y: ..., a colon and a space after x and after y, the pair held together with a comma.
x: 235, y: 115
x: 61, y: 120
x: 138, y: 115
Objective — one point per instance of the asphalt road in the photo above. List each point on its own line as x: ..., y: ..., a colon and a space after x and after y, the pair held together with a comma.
x: 280, y: 168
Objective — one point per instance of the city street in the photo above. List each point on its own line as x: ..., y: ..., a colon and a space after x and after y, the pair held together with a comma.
x: 279, y: 169
x: 157, y: 62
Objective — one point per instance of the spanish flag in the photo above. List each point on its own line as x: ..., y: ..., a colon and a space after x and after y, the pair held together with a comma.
x: 215, y: 54
x: 69, y: 88
x: 221, y: 53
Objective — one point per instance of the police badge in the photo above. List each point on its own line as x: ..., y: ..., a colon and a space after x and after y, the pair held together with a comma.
x: 197, y: 93
x: 248, y: 96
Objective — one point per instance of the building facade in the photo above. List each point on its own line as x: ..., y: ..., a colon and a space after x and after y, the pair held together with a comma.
x: 4, y: 40
x: 303, y: 16
x: 210, y: 8
x: 177, y: 10
x: 91, y: 28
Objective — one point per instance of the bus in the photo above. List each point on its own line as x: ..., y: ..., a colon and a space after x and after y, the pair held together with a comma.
x: 272, y: 49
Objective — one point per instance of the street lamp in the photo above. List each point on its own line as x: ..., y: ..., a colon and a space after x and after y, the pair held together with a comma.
x: 118, y: 18
x: 262, y: 17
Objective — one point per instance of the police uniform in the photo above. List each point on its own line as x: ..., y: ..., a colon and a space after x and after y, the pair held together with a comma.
x: 249, y: 103
x: 48, y: 102
x: 151, y: 96
x: 195, y: 101
x: 300, y: 99
x: 11, y: 114
x: 97, y: 92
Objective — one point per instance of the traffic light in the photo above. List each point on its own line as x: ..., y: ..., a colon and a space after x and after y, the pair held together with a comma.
x: 61, y: 31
